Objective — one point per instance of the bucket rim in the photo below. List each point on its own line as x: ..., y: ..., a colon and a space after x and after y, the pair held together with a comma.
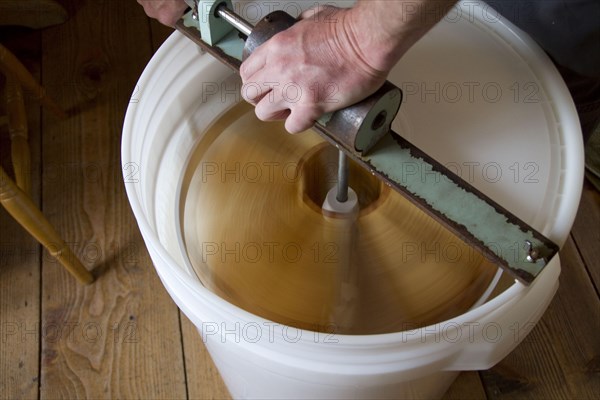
x: 574, y: 177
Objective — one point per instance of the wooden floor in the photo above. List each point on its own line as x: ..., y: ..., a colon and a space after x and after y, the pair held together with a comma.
x: 123, y: 337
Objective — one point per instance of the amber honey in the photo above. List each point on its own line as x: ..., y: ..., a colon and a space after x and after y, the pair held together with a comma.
x: 256, y: 236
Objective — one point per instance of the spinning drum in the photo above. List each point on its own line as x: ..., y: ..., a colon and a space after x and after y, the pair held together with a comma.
x: 292, y: 303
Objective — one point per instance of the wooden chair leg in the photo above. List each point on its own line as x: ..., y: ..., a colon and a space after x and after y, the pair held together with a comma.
x: 16, y: 202
x: 17, y: 128
x: 10, y: 65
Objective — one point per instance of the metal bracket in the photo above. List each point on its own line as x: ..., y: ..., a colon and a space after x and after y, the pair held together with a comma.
x: 211, y: 27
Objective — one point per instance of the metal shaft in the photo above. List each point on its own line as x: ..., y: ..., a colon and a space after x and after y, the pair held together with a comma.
x: 342, y: 185
x: 246, y: 28
x: 235, y: 20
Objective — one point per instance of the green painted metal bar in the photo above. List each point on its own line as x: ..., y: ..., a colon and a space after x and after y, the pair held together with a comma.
x: 469, y: 214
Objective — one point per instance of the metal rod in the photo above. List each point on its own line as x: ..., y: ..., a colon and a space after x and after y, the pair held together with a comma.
x: 342, y: 186
x: 235, y: 20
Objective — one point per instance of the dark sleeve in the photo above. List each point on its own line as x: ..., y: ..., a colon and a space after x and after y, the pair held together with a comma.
x: 568, y: 30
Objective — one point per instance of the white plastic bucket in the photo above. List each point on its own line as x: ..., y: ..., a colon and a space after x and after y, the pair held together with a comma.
x: 520, y: 144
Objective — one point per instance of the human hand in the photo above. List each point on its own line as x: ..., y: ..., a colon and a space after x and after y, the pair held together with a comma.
x: 166, y: 12
x: 314, y: 67
x: 333, y: 58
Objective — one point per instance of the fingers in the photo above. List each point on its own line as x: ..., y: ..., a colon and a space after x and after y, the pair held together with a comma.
x: 265, y: 112
x: 253, y: 91
x: 270, y: 106
x: 276, y: 78
x: 170, y: 17
x: 301, y: 119
x: 298, y: 117
x: 167, y: 12
x: 274, y: 102
x: 252, y: 65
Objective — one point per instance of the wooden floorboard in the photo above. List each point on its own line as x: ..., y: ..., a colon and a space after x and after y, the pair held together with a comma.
x: 20, y: 254
x: 468, y: 386
x: 123, y: 336
x: 586, y: 232
x: 203, y: 379
x: 120, y: 337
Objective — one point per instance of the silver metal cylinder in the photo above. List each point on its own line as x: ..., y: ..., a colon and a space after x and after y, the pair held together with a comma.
x: 342, y: 185
x: 235, y: 20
